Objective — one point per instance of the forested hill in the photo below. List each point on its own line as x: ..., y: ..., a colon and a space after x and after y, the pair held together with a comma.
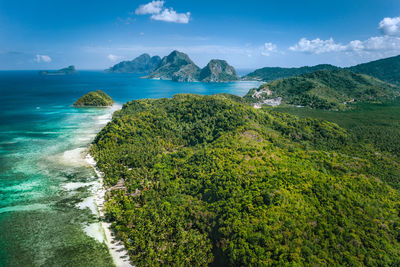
x: 209, y: 180
x: 326, y: 89
x: 268, y: 74
x: 387, y: 69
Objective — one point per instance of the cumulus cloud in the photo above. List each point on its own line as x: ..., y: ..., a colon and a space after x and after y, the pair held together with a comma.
x: 373, y: 44
x: 113, y: 58
x: 154, y: 7
x: 42, y: 58
x: 268, y: 49
x: 170, y: 15
x: 158, y: 12
x: 387, y: 43
x: 317, y: 46
x: 382, y: 43
x: 390, y: 26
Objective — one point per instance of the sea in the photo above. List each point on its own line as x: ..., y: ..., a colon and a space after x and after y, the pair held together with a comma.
x: 49, y: 190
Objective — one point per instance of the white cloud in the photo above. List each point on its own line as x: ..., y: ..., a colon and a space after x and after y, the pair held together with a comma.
x: 158, y: 12
x: 154, y: 7
x: 388, y: 43
x: 380, y: 44
x: 390, y: 26
x: 268, y: 49
x: 42, y: 58
x: 317, y: 46
x: 113, y: 58
x: 170, y: 15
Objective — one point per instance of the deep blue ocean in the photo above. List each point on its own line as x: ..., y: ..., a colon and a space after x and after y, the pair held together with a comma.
x: 48, y: 212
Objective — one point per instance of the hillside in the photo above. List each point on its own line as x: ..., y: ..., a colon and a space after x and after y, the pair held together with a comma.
x: 208, y: 180
x: 141, y: 64
x: 268, y: 74
x: 94, y: 99
x: 387, y: 69
x: 325, y: 90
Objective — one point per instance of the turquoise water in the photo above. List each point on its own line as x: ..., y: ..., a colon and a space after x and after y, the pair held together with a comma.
x: 47, y: 211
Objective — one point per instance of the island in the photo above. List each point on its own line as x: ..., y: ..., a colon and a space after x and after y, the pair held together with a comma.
x: 94, y: 99
x: 209, y: 180
x: 178, y: 67
x: 65, y: 71
x: 140, y: 65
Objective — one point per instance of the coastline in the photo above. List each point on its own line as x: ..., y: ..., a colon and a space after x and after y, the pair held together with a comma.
x: 101, y: 229
x: 116, y: 247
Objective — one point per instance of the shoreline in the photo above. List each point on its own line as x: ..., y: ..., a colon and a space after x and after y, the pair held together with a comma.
x: 116, y: 247
x: 101, y: 230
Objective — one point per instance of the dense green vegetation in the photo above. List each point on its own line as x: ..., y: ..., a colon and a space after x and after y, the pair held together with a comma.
x: 94, y: 99
x: 268, y: 74
x: 328, y: 89
x: 377, y: 124
x: 210, y: 180
x: 386, y: 69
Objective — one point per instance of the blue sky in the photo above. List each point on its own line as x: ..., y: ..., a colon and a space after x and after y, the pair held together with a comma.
x: 248, y: 34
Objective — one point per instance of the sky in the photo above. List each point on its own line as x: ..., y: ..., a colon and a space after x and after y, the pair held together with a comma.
x: 248, y: 34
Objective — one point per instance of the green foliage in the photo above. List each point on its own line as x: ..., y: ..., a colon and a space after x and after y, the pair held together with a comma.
x: 328, y: 89
x: 95, y: 99
x: 273, y: 73
x: 386, y: 69
x: 208, y: 180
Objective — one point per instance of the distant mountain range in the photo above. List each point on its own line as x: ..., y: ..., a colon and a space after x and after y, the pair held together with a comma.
x: 387, y: 70
x: 324, y: 89
x: 177, y: 66
x: 65, y: 71
x: 140, y: 65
